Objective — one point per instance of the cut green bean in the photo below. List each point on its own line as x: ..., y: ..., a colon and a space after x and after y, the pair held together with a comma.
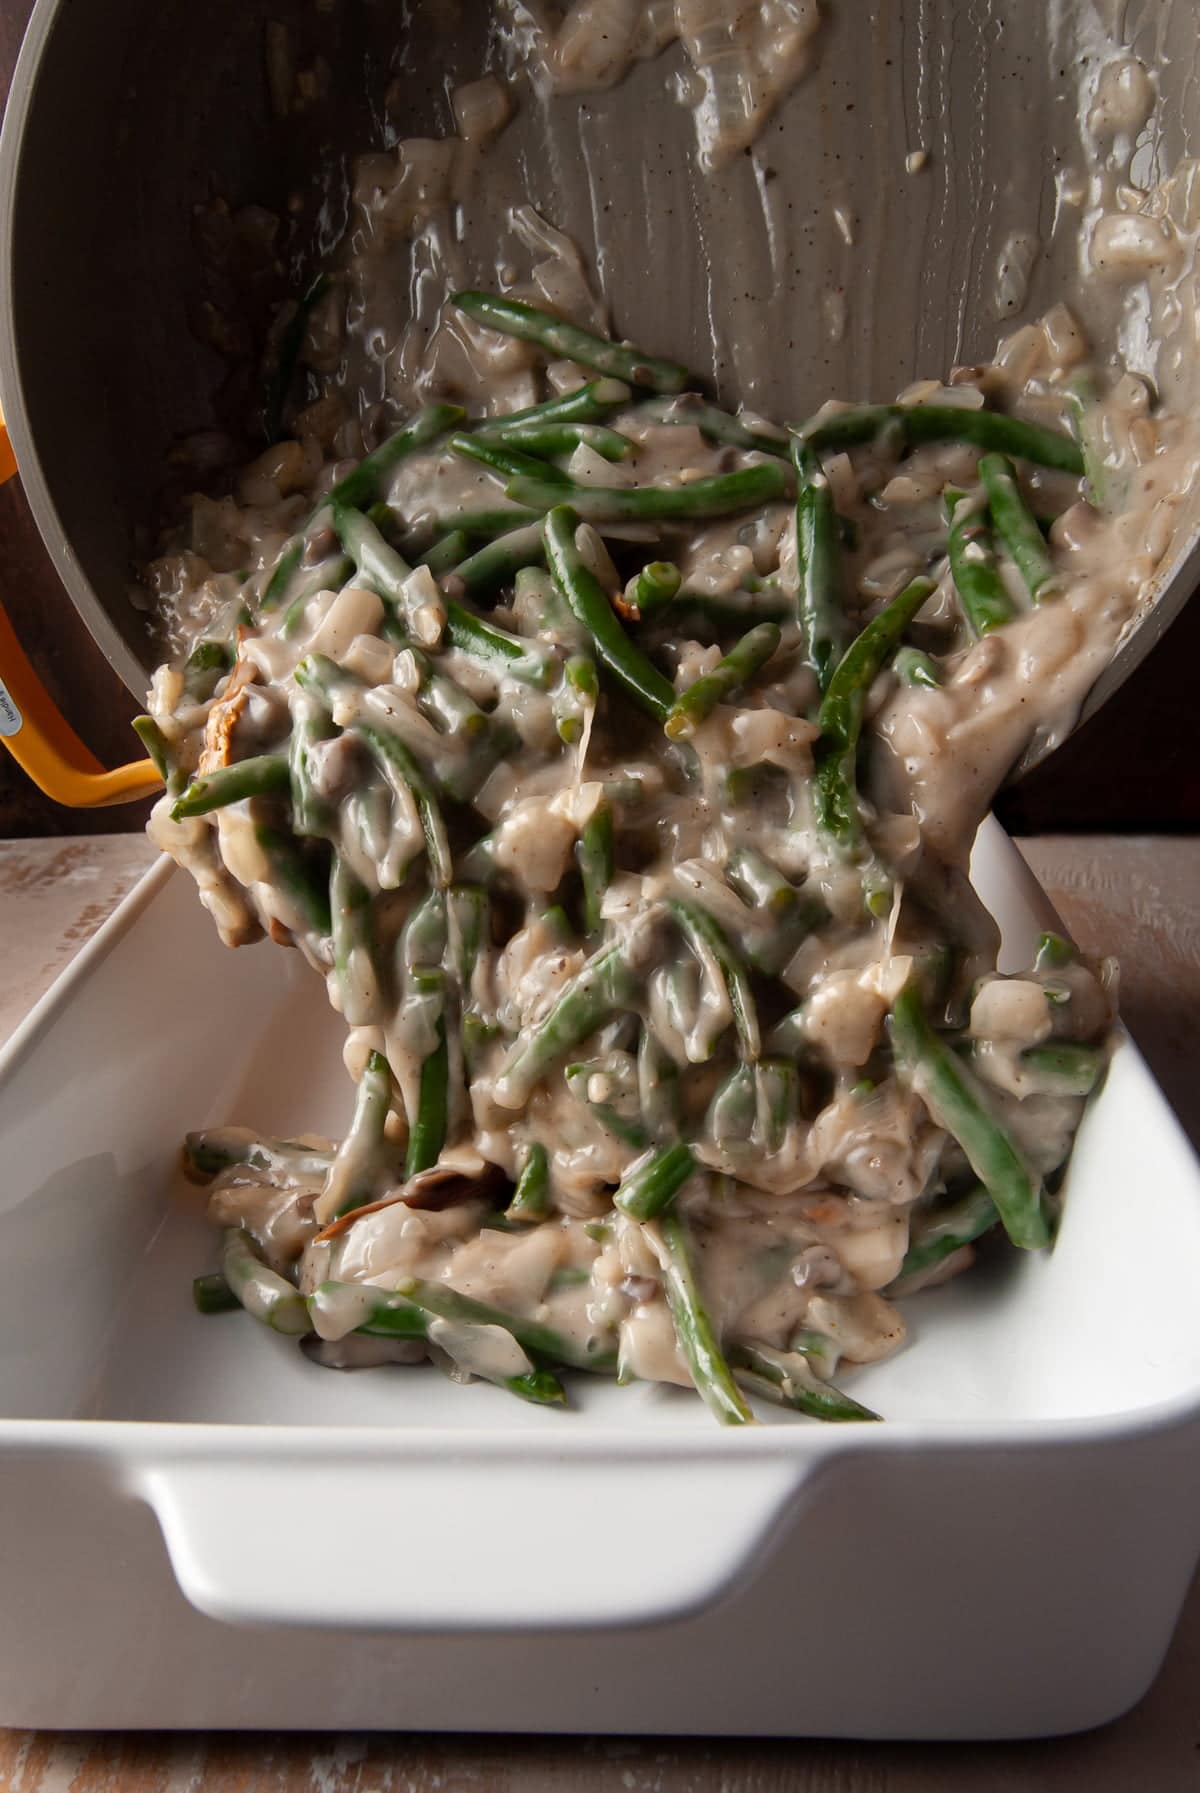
x: 497, y: 562
x: 532, y: 1336
x: 626, y: 1127
x: 595, y: 851
x: 915, y: 668
x: 446, y: 553
x: 312, y: 813
x: 653, y: 1182
x: 557, y: 338
x: 384, y: 571
x: 204, y: 669
x: 946, y: 1230
x: 329, y: 575
x: 261, y: 776
x: 709, y: 942
x: 282, y: 1161
x: 506, y: 462
x: 987, y: 430
x: 818, y: 564
x: 785, y: 1378
x: 842, y: 707
x: 213, y: 1295
x: 468, y: 927
x: 504, y: 653
x: 1087, y: 424
x: 531, y: 1197
x: 986, y: 604
x: 427, y: 1134
x: 1054, y: 953
x: 1016, y: 525
x: 362, y: 487
x: 952, y: 1098
x: 587, y: 404
x: 1065, y: 1068
x: 269, y: 1297
x: 713, y: 423
x: 658, y: 1086
x: 401, y: 768
x: 695, y: 704
x: 653, y: 587
x: 303, y: 878
x: 718, y: 495
x: 361, y: 1161
x: 589, y: 604
x: 278, y: 584
x: 547, y: 437
x: 777, y: 1101
x: 694, y: 1329
x: 353, y: 946
x: 158, y: 749
x: 603, y: 986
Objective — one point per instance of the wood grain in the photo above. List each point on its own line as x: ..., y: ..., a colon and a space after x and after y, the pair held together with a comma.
x: 1134, y: 898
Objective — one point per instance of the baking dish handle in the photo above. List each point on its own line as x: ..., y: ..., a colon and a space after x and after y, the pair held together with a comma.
x: 450, y: 1537
x: 38, y: 737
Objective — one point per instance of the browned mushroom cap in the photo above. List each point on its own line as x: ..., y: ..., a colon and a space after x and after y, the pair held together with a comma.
x: 439, y: 1187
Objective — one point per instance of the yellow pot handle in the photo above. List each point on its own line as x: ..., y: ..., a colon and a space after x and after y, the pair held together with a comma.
x: 36, y: 735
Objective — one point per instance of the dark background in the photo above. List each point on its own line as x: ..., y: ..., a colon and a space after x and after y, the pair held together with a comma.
x: 1131, y: 769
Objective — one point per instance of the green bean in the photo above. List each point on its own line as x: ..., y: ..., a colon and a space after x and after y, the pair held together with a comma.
x: 1087, y: 423
x: 708, y: 941
x: 468, y: 917
x: 425, y: 934
x: 427, y: 1135
x: 653, y: 587
x: 281, y: 578
x: 546, y: 437
x: 817, y: 556
x: 948, y: 1091
x: 158, y: 748
x: 508, y: 463
x: 497, y: 562
x: 204, y: 669
x: 658, y: 1086
x: 531, y: 1197
x: 625, y: 1127
x: 986, y: 604
x: 784, y: 917
x: 558, y: 338
x: 1054, y: 953
x: 290, y: 345
x: 270, y: 1298
x: 654, y: 1181
x: 300, y: 878
x: 282, y: 1161
x: 784, y: 1377
x: 382, y: 570
x: 576, y: 698
x: 695, y: 704
x: 1015, y: 524
x: 261, y: 776
x: 789, y: 1036
x: 712, y: 422
x: 947, y: 1230
x: 733, y: 1110
x: 486, y: 523
x: 539, y: 1385
x: 213, y: 1295
x: 915, y: 668
x: 532, y: 1336
x: 360, y: 1161
x: 445, y: 554
x: 362, y: 487
x: 312, y: 813
x: 777, y: 1101
x: 694, y: 614
x: 1065, y: 1068
x: 719, y: 495
x: 694, y: 1329
x: 353, y: 946
x: 589, y: 604
x: 596, y: 852
x: 841, y: 712
x: 604, y: 985
x: 401, y: 768
x: 587, y: 404
x: 388, y: 1317
x: 330, y: 575
x: 504, y: 653
x: 988, y: 430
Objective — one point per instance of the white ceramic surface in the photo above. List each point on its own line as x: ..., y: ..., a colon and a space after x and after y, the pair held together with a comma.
x: 1005, y: 1557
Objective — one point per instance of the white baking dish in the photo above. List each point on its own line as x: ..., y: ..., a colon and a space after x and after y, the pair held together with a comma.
x: 199, y: 1528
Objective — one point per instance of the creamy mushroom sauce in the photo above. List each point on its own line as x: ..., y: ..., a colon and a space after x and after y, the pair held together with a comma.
x: 801, y: 1208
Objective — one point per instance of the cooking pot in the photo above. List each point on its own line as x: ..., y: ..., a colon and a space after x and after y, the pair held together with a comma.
x: 869, y: 238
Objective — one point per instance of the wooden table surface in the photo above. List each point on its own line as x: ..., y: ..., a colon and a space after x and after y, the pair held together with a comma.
x: 1134, y: 897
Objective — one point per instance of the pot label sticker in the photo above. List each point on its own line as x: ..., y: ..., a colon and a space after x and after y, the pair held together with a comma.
x: 10, y: 716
